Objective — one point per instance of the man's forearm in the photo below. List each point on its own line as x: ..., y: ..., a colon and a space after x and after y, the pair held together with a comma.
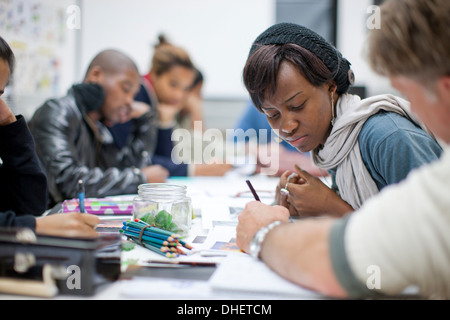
x: 300, y: 253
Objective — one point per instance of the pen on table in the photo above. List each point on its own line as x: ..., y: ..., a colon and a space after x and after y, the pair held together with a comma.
x: 255, y: 195
x: 81, y: 195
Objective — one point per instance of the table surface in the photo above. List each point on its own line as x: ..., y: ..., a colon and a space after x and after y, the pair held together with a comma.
x: 214, y: 200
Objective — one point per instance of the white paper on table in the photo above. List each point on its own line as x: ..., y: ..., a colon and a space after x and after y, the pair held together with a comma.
x: 180, y: 289
x: 246, y: 274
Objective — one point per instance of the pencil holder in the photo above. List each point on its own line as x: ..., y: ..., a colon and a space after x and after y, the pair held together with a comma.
x: 165, y: 206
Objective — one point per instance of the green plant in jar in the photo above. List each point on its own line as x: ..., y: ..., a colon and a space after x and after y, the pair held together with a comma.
x: 164, y: 206
x: 162, y: 220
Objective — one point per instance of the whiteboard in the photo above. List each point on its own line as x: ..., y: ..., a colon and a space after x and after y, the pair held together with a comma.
x: 216, y: 33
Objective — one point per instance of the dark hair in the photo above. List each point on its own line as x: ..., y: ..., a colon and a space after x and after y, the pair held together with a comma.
x: 167, y: 56
x: 7, y: 54
x: 261, y: 69
x: 198, y: 78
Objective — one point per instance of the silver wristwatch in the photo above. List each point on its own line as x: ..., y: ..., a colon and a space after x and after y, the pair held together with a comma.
x: 255, y: 245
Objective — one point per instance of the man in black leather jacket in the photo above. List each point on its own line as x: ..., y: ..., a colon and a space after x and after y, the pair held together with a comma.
x: 73, y: 142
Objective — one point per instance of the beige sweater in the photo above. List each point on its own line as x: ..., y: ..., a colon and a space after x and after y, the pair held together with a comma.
x: 400, y: 238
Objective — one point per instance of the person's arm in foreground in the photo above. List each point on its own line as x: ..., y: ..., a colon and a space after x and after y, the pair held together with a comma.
x: 77, y: 225
x: 297, y: 251
x: 398, y: 239
x: 68, y: 225
x: 23, y: 187
x: 21, y: 159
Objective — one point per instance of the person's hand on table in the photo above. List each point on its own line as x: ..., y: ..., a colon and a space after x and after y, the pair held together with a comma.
x: 212, y: 169
x: 255, y: 216
x: 73, y: 225
x: 155, y: 173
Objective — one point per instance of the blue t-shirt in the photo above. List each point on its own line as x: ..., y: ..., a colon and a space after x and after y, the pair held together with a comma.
x: 392, y: 146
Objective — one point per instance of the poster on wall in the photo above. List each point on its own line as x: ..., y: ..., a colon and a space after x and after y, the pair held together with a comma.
x: 43, y: 46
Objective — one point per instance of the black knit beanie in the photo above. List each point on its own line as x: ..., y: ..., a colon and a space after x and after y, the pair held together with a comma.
x: 284, y: 33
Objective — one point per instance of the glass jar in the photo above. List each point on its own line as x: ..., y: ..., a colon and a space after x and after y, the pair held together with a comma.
x: 165, y: 206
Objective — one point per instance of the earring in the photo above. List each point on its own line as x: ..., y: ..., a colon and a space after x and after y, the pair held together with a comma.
x: 333, y: 119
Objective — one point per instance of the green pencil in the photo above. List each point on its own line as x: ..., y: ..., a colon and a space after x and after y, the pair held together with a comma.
x: 158, y: 249
x: 140, y: 224
x: 151, y: 229
x: 166, y: 254
x: 149, y: 233
x: 152, y: 240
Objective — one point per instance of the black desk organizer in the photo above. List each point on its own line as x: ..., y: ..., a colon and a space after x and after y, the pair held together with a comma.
x: 57, y: 265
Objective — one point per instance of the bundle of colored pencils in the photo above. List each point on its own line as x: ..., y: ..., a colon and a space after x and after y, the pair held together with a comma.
x: 155, y: 239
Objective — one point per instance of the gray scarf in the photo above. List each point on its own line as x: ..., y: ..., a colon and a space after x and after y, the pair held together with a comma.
x: 341, y: 150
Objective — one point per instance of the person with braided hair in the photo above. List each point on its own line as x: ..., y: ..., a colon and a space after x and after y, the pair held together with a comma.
x: 300, y: 82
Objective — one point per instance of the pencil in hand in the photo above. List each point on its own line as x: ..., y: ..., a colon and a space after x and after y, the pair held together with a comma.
x: 255, y: 195
x: 81, y: 195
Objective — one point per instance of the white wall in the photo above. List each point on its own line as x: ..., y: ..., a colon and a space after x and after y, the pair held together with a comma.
x: 352, y: 33
x: 216, y: 33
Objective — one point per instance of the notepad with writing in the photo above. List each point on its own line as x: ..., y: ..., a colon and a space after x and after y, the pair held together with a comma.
x: 243, y: 273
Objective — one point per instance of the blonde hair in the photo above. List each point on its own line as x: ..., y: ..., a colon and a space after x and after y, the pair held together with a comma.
x: 413, y: 40
x: 166, y: 56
